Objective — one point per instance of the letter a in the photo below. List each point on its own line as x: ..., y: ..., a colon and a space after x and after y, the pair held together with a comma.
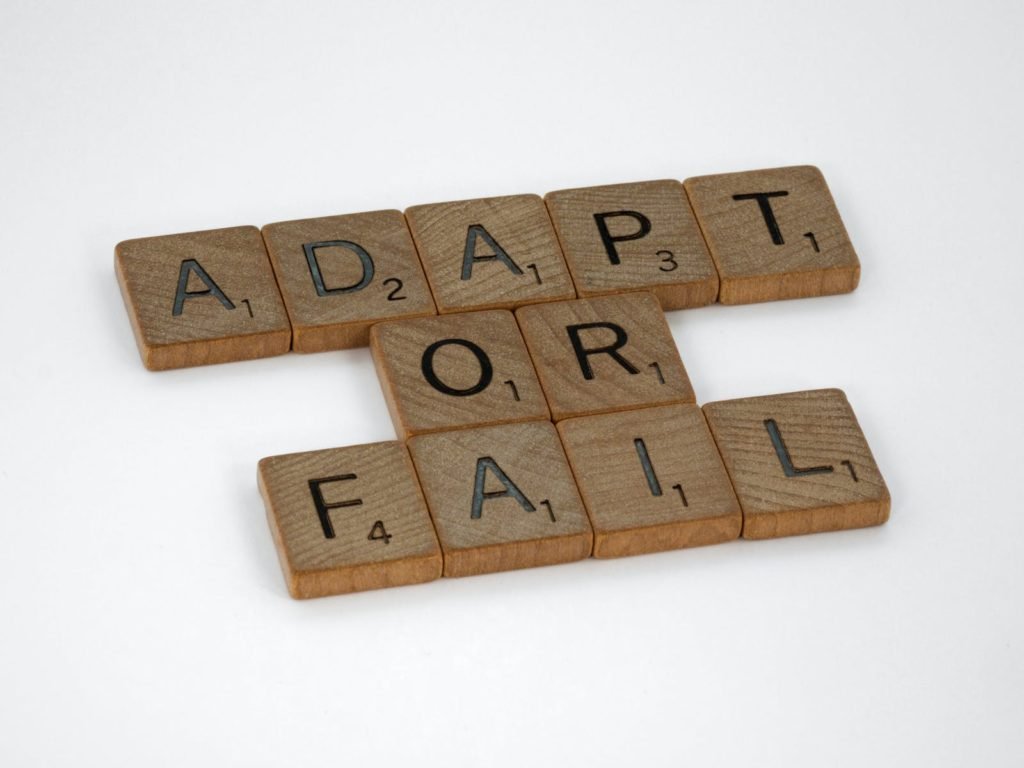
x: 484, y: 464
x: 191, y: 266
x: 477, y: 231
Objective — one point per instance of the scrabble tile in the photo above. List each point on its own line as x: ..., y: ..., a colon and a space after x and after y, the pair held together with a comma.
x: 497, y: 252
x: 609, y: 353
x: 774, y: 234
x: 202, y: 297
x: 340, y: 274
x: 501, y: 498
x: 651, y: 480
x: 799, y: 463
x: 349, y: 519
x: 627, y: 237
x: 456, y: 371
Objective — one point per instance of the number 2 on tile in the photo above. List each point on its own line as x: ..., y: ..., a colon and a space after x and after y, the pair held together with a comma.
x: 395, y: 295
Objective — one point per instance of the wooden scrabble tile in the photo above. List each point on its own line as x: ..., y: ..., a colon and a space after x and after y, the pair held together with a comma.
x: 625, y: 237
x: 651, y: 480
x: 202, y: 297
x: 774, y: 234
x: 497, y: 252
x: 799, y: 463
x: 349, y: 519
x: 501, y: 498
x: 610, y: 353
x: 340, y: 274
x: 456, y: 371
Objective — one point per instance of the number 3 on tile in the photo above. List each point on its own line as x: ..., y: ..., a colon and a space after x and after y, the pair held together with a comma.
x: 379, y: 533
x: 668, y: 261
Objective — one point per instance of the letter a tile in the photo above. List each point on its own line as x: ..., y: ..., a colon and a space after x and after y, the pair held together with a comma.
x: 627, y: 237
x: 501, y: 498
x: 497, y: 252
x: 610, y: 353
x: 774, y: 234
x: 340, y: 274
x: 455, y: 371
x: 799, y: 463
x: 202, y: 297
x: 652, y: 480
x: 349, y: 519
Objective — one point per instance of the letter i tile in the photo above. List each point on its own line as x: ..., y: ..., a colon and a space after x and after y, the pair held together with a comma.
x: 651, y: 479
x: 501, y: 498
x: 340, y: 274
x: 799, y: 463
x: 349, y: 519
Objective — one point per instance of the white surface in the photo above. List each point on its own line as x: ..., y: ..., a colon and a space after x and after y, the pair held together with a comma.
x: 145, y: 620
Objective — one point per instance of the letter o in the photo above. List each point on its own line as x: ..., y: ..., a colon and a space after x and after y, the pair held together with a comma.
x: 486, y: 369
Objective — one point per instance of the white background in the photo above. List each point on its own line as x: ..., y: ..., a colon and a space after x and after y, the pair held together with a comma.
x: 143, y: 616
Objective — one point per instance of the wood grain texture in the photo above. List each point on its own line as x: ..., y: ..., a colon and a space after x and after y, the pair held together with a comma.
x: 655, y: 375
x: 650, y: 241
x: 651, y: 479
x: 809, y: 252
x: 178, y: 326
x: 831, y: 481
x: 333, y: 301
x: 387, y: 540
x: 518, y: 224
x: 505, y: 535
x: 509, y: 392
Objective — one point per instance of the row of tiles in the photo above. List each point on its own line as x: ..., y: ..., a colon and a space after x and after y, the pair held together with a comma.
x: 319, y: 284
x: 545, y: 361
x: 496, y: 498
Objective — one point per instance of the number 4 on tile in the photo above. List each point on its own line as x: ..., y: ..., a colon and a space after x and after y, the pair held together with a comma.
x: 379, y: 533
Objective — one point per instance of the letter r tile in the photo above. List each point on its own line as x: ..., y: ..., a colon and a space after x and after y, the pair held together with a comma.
x: 501, y: 498
x: 774, y: 234
x: 799, y: 463
x: 340, y: 274
x: 603, y: 354
x: 496, y: 252
x: 199, y: 298
x: 349, y: 519
x: 456, y: 371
